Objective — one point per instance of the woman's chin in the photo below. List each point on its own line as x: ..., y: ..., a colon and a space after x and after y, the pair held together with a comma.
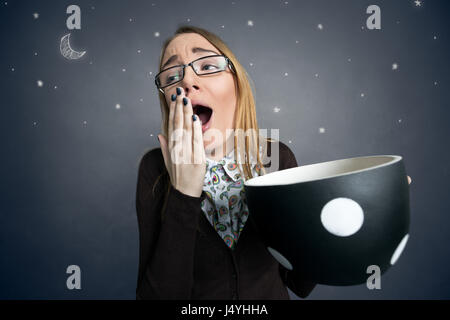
x: 208, y: 145
x: 209, y: 140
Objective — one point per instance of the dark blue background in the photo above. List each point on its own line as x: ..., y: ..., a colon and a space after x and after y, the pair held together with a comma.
x: 69, y: 157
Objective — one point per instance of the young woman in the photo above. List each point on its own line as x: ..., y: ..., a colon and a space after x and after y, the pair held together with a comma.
x: 197, y: 239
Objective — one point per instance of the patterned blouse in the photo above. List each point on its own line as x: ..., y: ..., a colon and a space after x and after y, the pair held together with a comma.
x: 225, y: 205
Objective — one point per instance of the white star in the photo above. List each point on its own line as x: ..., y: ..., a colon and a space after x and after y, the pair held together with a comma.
x: 39, y: 83
x: 435, y: 37
x: 156, y: 34
x: 250, y: 23
x: 435, y: 83
x: 316, y: 75
x: 285, y: 74
x: 139, y: 51
x: 418, y: 3
x: 290, y: 141
x: 188, y: 19
x: 223, y: 27
x: 320, y: 26
x: 35, y: 15
x: 362, y: 94
x: 12, y: 69
x: 34, y: 123
x: 85, y: 122
x: 399, y: 120
x: 123, y: 70
x: 117, y: 106
x: 394, y: 66
x: 276, y: 109
x: 321, y: 130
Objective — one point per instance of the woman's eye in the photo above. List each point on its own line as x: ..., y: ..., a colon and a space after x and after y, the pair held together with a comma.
x: 208, y: 65
x: 172, y: 78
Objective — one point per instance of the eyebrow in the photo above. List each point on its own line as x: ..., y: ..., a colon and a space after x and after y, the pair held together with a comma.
x: 194, y: 50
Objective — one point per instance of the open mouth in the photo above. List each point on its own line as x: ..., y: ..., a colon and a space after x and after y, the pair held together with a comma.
x: 205, y: 114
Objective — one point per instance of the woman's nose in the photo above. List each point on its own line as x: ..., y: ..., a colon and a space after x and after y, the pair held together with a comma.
x: 190, y: 77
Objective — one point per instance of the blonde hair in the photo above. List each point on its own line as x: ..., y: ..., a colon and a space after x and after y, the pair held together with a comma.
x: 245, y: 114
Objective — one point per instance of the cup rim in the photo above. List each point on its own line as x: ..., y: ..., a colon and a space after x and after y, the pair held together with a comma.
x: 297, y: 174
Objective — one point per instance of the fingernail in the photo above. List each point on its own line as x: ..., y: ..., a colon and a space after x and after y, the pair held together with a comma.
x: 174, y: 96
x: 194, y: 117
x: 178, y: 91
x: 185, y: 101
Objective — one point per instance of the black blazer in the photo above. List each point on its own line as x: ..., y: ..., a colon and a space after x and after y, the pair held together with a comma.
x: 183, y: 257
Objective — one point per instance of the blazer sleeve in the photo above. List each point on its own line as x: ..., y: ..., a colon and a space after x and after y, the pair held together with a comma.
x: 166, y: 246
x: 287, y: 160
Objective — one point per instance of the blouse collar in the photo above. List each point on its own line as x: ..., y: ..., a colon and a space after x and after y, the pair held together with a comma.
x: 229, y: 164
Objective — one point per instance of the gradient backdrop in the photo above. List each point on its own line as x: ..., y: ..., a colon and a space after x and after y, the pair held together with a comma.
x: 73, y: 132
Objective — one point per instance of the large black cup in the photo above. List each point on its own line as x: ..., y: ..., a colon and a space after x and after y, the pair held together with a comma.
x: 333, y: 222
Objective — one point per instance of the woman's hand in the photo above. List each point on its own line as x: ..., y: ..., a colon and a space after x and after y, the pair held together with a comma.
x: 409, y: 180
x: 186, y: 170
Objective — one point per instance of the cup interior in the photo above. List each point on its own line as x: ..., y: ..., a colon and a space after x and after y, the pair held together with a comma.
x: 323, y: 170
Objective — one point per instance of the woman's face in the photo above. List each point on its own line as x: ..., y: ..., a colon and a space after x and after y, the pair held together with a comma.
x: 217, y: 91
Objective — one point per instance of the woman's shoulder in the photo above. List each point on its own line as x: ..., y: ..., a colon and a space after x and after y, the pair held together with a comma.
x: 152, y: 163
x: 286, y: 158
x: 285, y: 151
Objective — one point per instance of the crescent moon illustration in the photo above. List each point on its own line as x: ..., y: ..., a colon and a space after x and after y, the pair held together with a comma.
x: 67, y: 51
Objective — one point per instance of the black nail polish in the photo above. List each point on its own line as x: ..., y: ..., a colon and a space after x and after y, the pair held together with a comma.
x: 174, y: 96
x: 185, y: 101
x: 194, y: 117
x: 178, y: 91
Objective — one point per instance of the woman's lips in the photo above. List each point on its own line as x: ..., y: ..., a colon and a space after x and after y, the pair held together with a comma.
x: 204, y: 113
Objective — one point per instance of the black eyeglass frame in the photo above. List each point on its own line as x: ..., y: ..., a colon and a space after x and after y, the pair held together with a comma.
x: 229, y: 63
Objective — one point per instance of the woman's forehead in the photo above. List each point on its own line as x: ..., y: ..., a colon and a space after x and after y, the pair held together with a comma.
x: 183, y: 43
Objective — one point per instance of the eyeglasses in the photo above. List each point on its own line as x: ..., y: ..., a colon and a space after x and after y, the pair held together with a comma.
x: 204, y: 65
